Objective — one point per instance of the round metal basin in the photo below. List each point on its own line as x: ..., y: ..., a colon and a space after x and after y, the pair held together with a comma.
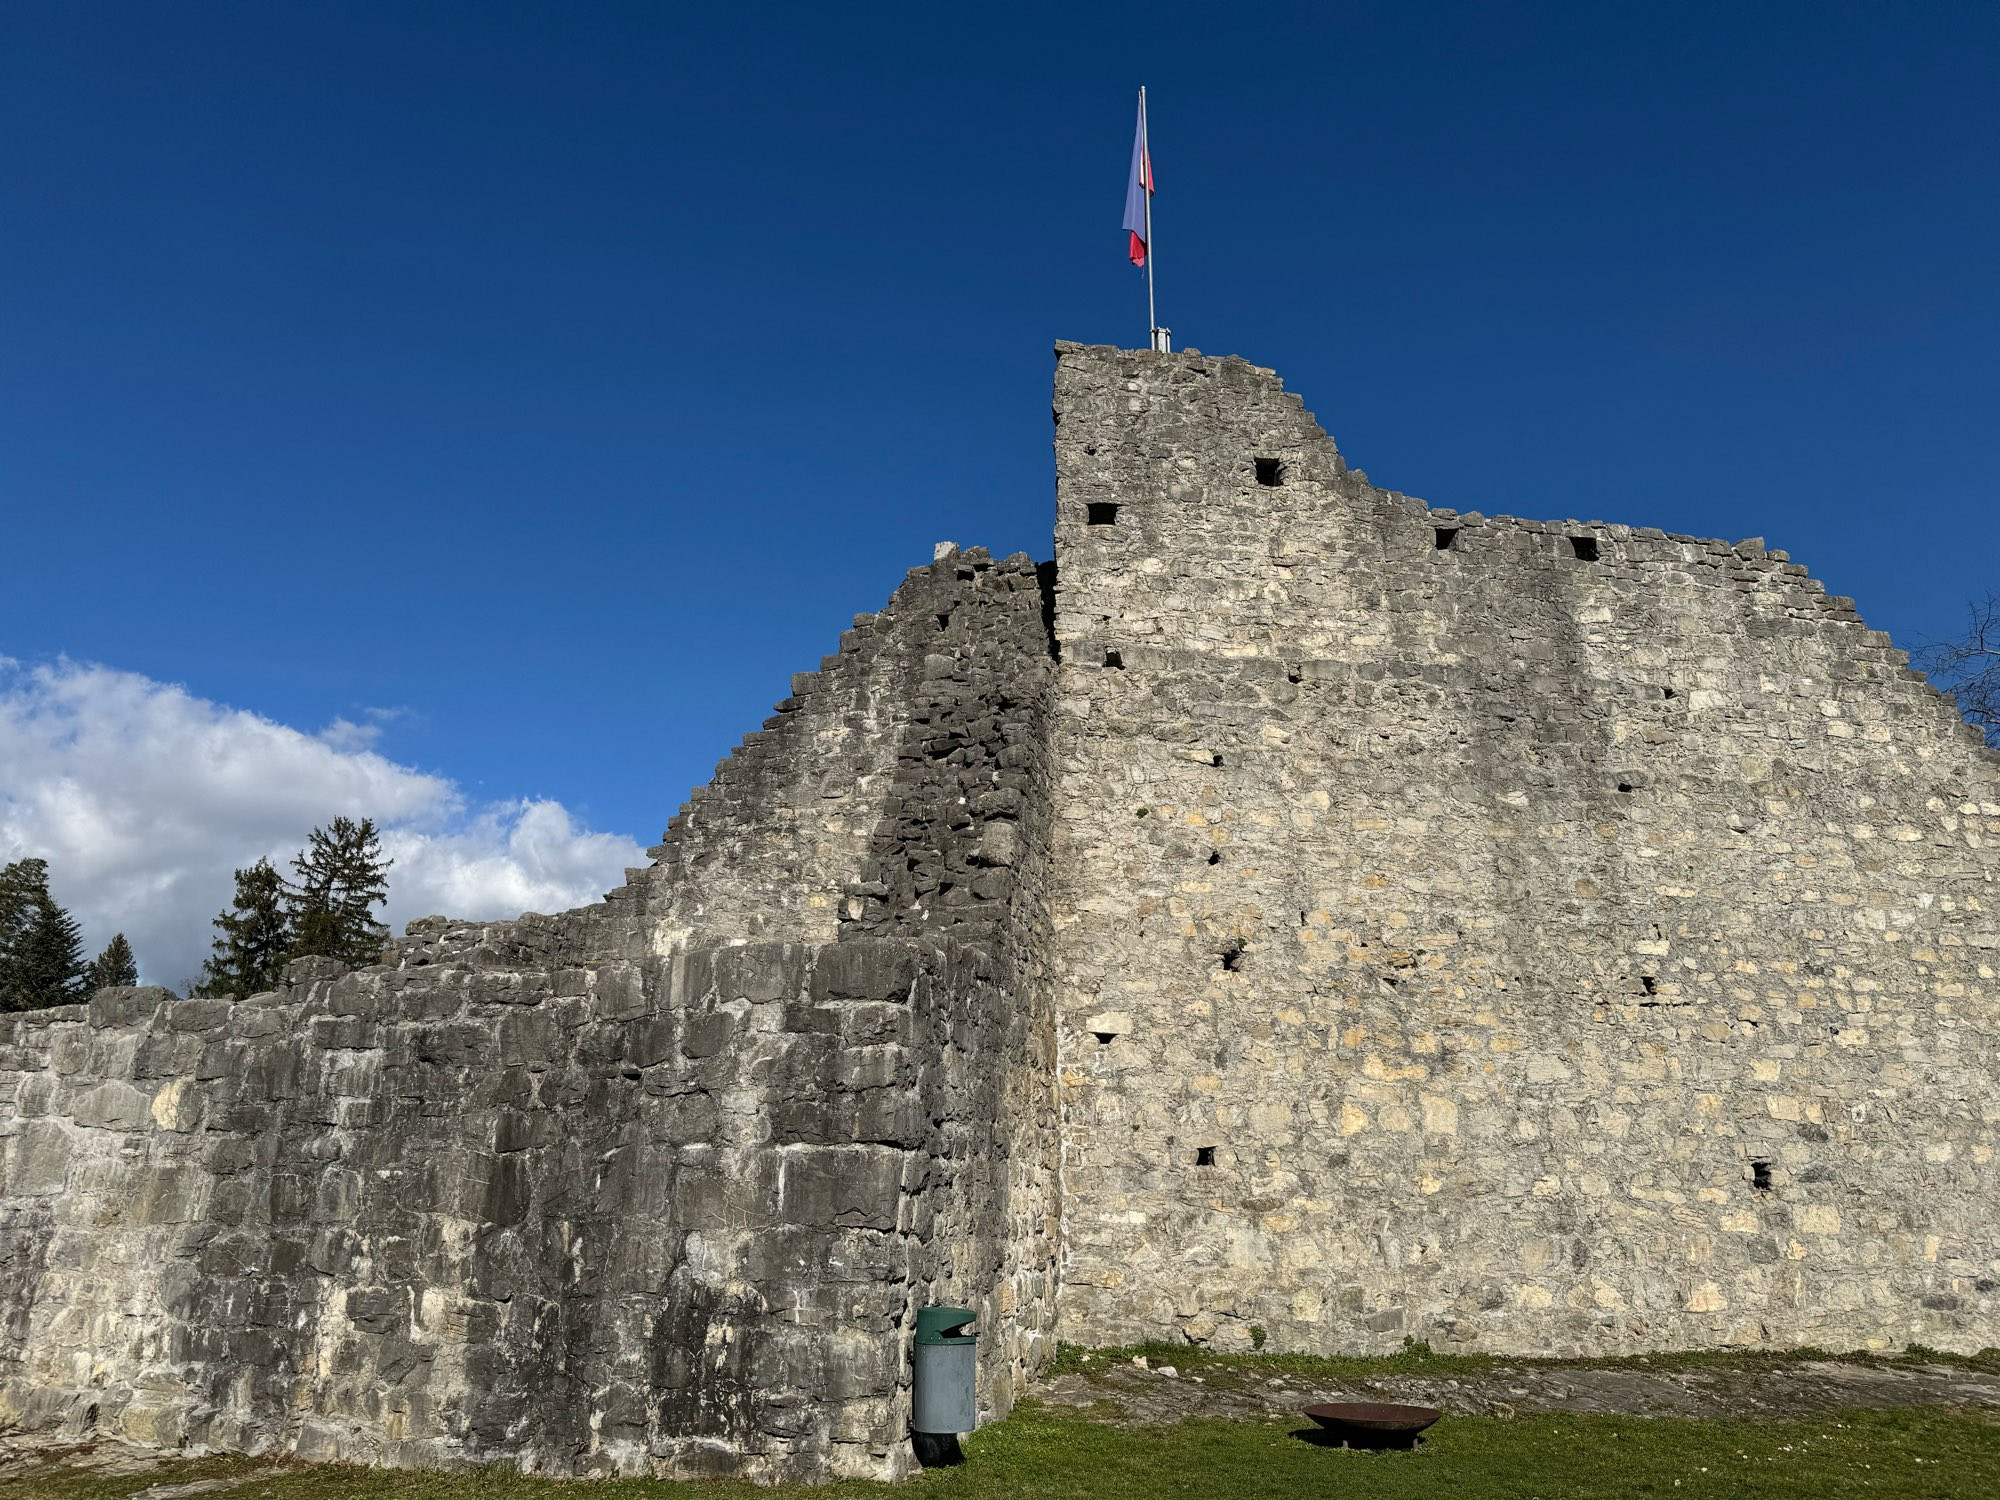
x: 1373, y: 1424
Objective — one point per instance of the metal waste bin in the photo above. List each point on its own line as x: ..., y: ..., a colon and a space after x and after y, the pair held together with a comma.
x: 947, y: 1365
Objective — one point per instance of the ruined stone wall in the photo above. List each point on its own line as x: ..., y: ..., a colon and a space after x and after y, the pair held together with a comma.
x: 1539, y: 938
x: 782, y: 828
x: 1373, y: 922
x: 668, y: 1216
x: 603, y: 1192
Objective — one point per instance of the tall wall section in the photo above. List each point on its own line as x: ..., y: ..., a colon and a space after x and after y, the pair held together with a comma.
x: 1527, y: 937
x: 655, y: 1186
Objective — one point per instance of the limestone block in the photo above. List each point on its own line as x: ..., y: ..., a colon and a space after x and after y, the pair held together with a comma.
x: 863, y: 969
x: 841, y: 1186
x: 112, y: 1105
x: 999, y: 843
x: 36, y: 1159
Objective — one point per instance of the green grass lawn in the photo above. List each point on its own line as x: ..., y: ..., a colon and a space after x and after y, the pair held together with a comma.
x: 1038, y: 1452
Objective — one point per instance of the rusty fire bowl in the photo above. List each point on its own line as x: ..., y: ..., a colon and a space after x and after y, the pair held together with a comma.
x: 1372, y: 1424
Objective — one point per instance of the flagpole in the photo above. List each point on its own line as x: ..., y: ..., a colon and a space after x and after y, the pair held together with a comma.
x: 1146, y: 166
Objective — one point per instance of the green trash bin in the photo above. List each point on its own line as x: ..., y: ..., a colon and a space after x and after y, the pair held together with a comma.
x: 945, y: 1378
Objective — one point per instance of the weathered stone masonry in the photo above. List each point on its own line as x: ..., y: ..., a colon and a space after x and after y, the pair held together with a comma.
x: 1297, y: 908
x: 652, y: 1186
x: 1555, y: 937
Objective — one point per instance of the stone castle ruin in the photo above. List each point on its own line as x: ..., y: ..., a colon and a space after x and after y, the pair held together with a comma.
x: 1297, y: 915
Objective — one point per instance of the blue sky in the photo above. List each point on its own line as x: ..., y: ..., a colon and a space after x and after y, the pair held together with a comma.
x: 537, y: 386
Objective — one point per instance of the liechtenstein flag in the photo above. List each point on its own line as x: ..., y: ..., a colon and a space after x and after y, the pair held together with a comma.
x: 1139, y: 189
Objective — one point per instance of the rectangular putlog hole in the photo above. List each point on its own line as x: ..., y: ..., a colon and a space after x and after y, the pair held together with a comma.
x: 1447, y: 538
x: 1270, y: 472
x: 1583, y: 548
x: 1760, y: 1176
x: 1101, y: 513
x: 1204, y: 1156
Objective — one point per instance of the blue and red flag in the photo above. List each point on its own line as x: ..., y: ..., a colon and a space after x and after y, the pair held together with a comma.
x: 1138, y: 190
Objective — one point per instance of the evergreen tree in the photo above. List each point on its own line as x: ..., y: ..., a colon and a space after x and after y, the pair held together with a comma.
x: 342, y: 878
x: 52, y: 966
x: 114, y: 966
x: 19, y: 883
x: 255, y: 937
x: 41, y: 949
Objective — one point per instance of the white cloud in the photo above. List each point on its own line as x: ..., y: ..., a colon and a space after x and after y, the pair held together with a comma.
x: 510, y: 858
x: 144, y: 798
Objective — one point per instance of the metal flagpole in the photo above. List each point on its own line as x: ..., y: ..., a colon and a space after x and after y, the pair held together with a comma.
x: 1146, y: 167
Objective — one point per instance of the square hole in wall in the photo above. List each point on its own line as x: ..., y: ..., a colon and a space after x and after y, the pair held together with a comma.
x: 1583, y: 548
x: 1101, y: 513
x: 1760, y: 1176
x: 1114, y: 659
x: 1270, y: 472
x: 1232, y: 958
x: 1204, y: 1156
x: 1447, y: 538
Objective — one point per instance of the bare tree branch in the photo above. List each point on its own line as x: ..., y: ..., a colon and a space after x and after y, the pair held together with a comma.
x: 1969, y: 668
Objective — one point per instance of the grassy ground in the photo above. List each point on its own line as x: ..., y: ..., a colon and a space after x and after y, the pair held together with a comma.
x: 1933, y: 1454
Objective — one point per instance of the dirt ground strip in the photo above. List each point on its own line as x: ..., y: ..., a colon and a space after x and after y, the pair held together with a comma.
x: 22, y: 1454
x: 1127, y: 1393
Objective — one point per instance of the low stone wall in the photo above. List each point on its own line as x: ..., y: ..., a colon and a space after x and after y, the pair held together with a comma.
x: 668, y: 1216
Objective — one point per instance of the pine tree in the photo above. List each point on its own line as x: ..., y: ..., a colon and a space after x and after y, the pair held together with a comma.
x: 255, y: 940
x: 53, y: 968
x: 113, y: 967
x: 19, y: 884
x: 342, y: 878
x: 41, y: 949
